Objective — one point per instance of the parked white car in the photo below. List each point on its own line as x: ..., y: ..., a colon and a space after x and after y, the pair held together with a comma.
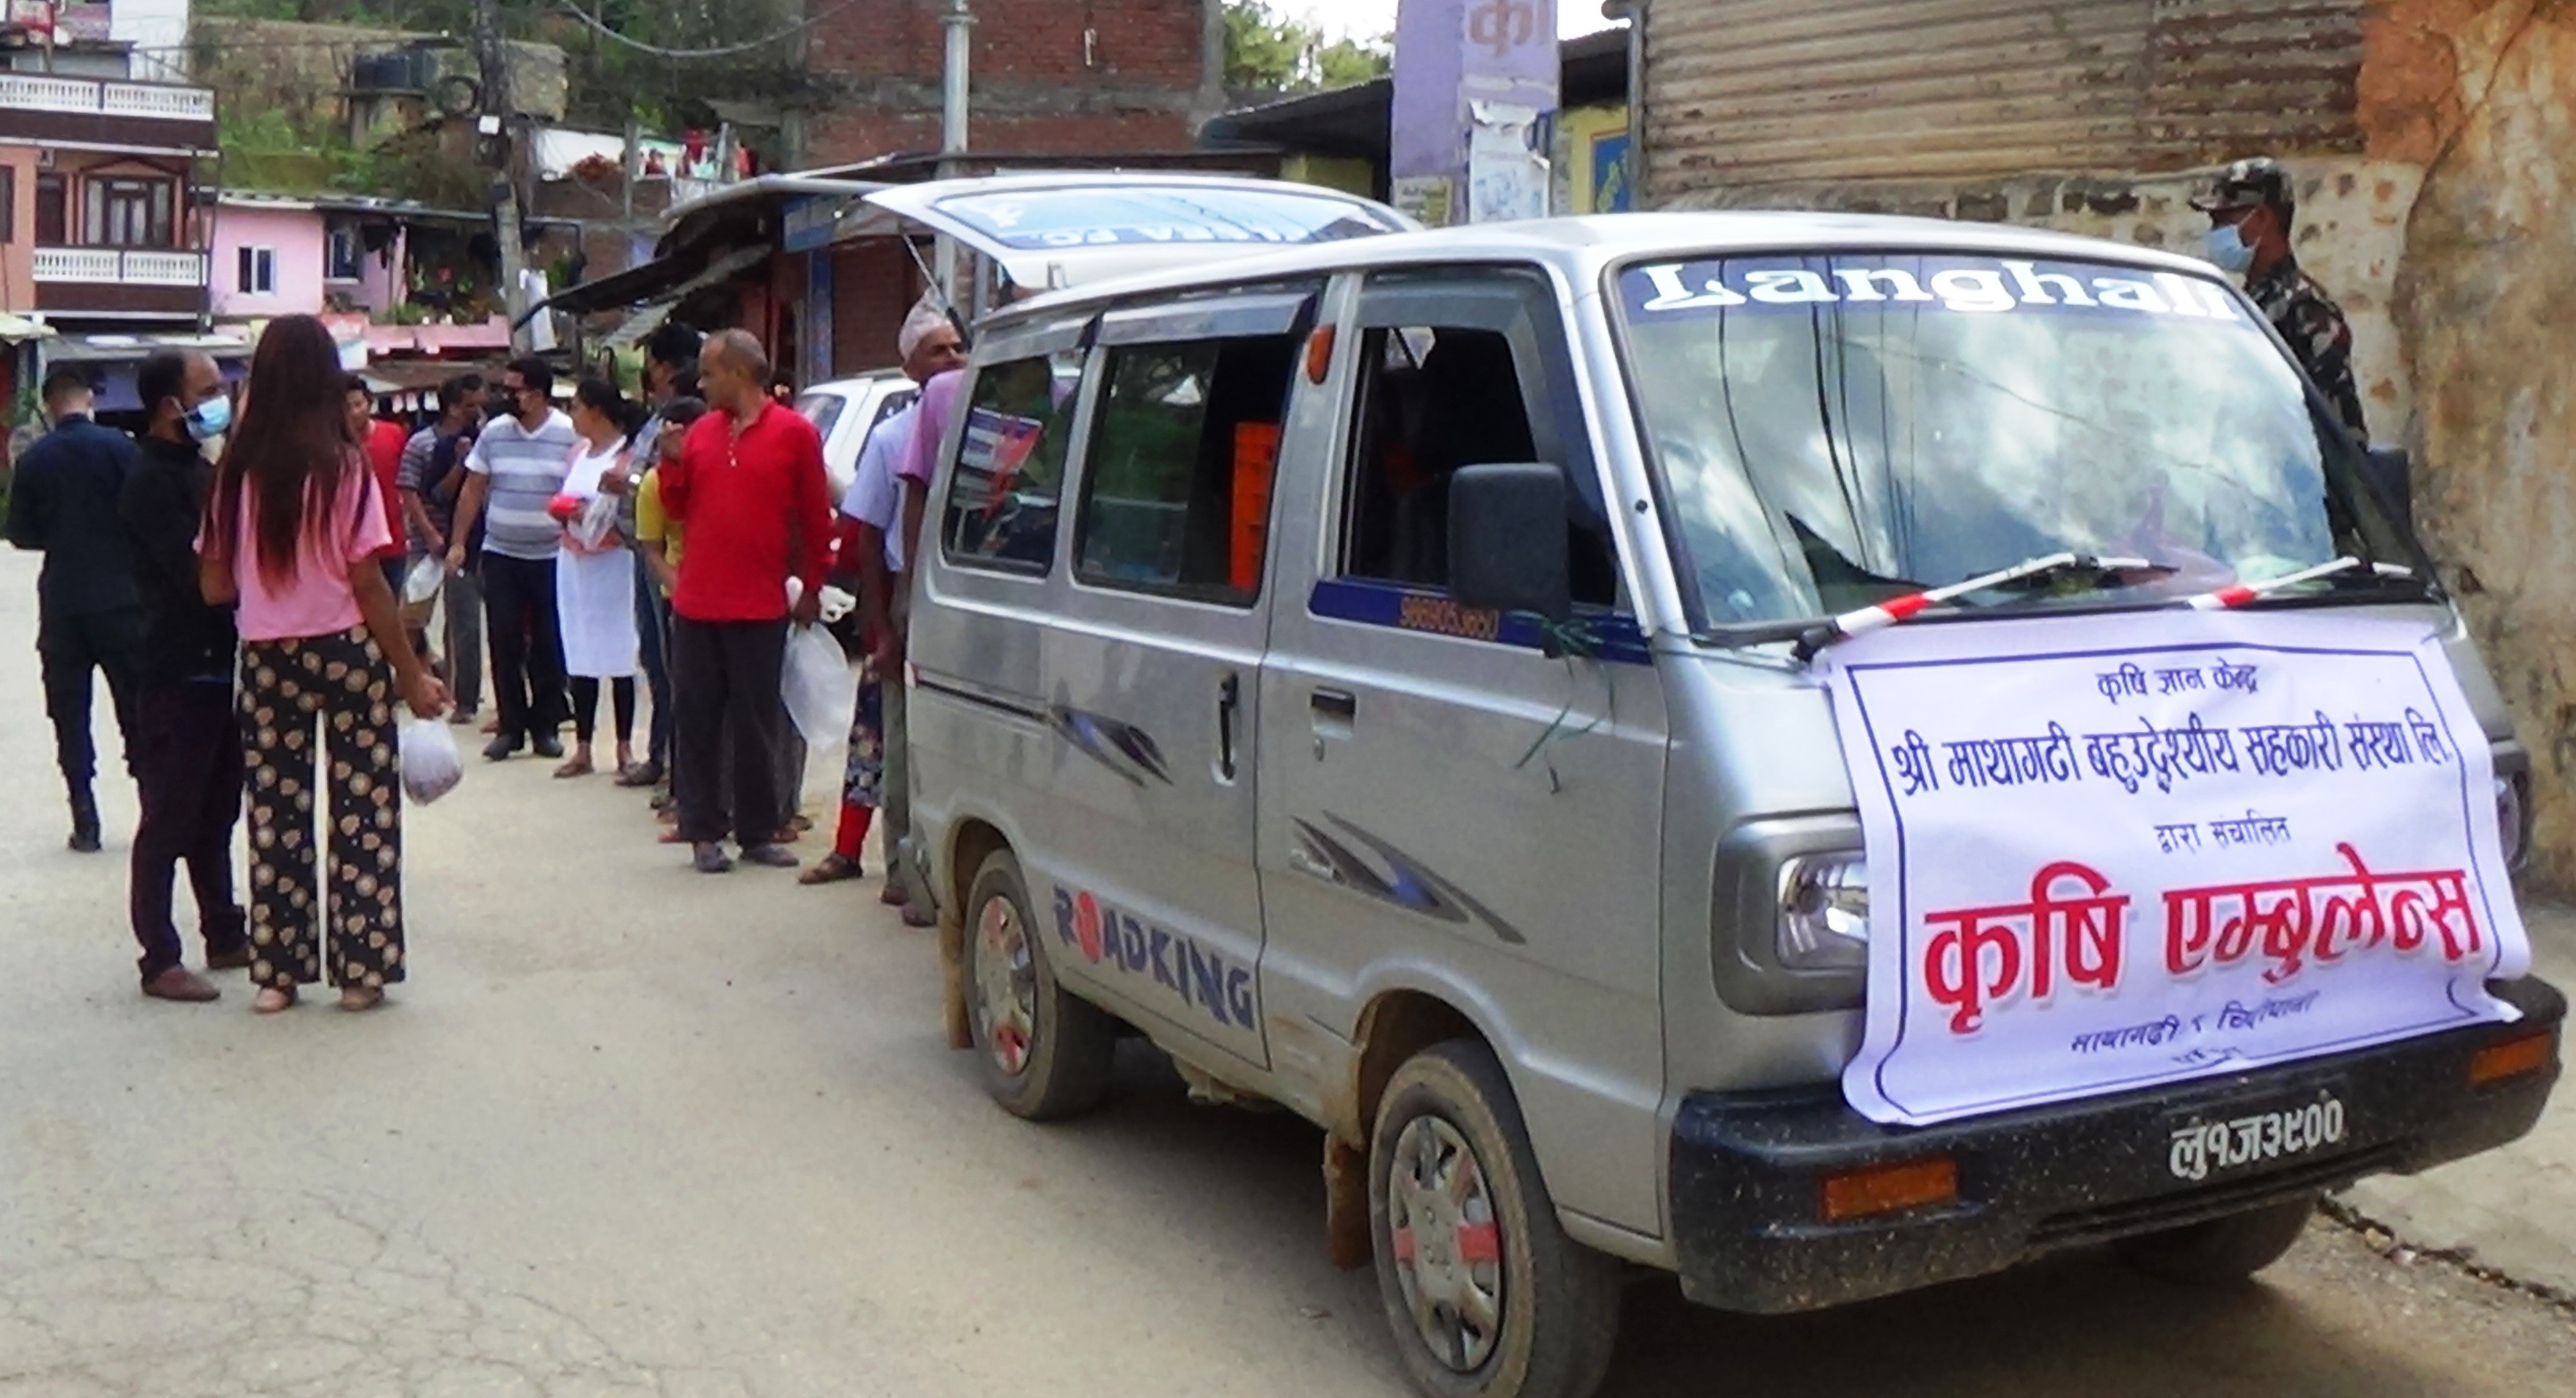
x: 844, y: 411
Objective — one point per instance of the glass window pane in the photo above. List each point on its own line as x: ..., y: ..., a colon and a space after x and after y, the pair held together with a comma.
x: 1010, y: 467
x: 1177, y: 494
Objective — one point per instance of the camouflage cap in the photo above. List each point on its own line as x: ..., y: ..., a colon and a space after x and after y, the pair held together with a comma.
x: 2248, y: 184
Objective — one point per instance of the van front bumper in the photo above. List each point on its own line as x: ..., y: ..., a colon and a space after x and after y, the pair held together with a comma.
x: 1748, y: 1169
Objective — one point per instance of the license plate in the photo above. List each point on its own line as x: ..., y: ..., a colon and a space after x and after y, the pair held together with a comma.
x: 2202, y: 1148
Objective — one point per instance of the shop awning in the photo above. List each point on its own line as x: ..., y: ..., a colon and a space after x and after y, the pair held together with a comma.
x: 662, y: 280
x: 102, y: 349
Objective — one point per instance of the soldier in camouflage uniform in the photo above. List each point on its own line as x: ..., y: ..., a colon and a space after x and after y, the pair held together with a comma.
x: 2252, y: 211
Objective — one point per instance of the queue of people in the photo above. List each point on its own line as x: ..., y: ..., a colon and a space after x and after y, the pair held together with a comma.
x: 261, y: 620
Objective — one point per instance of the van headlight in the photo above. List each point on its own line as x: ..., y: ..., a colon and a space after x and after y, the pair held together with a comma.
x: 1824, y: 912
x: 2513, y: 816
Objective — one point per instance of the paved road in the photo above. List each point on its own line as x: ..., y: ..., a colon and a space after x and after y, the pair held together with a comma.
x: 633, y: 1131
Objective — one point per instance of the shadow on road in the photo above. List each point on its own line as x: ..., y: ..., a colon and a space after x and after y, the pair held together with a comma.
x: 2332, y: 1321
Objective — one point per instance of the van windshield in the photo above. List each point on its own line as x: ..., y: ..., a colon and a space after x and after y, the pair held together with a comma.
x: 1836, y: 430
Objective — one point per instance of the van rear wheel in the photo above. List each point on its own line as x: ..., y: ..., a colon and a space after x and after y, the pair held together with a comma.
x: 1045, y: 1053
x: 2221, y: 1250
x: 1486, y: 1295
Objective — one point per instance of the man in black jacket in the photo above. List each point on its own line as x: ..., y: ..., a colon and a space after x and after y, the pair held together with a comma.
x: 62, y: 501
x: 188, y: 752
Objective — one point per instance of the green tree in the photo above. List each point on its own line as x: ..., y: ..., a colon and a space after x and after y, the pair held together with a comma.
x: 1268, y: 51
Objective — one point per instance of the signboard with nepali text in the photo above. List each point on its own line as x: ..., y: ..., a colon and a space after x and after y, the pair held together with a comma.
x: 2108, y: 853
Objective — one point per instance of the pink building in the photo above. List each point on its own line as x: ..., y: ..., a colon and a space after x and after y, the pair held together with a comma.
x: 269, y: 255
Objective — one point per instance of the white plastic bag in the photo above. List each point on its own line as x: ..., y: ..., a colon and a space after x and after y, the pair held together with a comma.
x: 430, y: 765
x: 421, y: 584
x: 591, y: 526
x: 822, y: 696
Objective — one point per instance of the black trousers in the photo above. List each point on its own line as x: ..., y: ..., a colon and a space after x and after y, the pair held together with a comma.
x: 585, y: 706
x: 652, y: 634
x: 188, y: 765
x: 68, y: 648
x: 726, y: 674
x: 527, y: 644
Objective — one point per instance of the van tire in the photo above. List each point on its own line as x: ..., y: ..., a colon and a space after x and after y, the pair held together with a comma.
x: 2220, y: 1251
x: 1064, y: 1054
x: 1559, y: 1301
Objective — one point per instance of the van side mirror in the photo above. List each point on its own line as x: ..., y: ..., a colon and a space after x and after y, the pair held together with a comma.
x: 2393, y: 473
x: 1507, y: 543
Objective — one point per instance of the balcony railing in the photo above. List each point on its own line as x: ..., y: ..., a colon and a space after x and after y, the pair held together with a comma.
x: 121, y: 266
x: 44, y: 92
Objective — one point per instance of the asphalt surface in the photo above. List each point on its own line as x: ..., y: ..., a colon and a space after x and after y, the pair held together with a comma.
x: 630, y: 1130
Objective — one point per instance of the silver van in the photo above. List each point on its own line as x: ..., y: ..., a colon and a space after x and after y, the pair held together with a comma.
x: 1379, y: 673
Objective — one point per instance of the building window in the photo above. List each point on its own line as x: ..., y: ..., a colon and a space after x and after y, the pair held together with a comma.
x: 53, y: 206
x: 8, y: 203
x: 128, y: 212
x: 347, y: 253
x: 256, y: 274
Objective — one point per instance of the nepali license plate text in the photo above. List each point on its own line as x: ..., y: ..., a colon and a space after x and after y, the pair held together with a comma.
x: 2205, y: 1148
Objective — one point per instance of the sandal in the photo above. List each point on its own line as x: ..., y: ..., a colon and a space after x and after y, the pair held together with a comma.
x: 357, y: 999
x: 832, y: 868
x: 273, y: 999
x: 575, y: 768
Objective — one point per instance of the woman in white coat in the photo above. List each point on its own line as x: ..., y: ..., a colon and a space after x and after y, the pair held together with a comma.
x: 594, y: 578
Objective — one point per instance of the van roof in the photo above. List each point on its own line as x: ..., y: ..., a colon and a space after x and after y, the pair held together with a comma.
x: 1582, y: 246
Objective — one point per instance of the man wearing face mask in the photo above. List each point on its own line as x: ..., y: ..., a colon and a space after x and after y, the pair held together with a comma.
x: 2252, y: 215
x: 188, y: 748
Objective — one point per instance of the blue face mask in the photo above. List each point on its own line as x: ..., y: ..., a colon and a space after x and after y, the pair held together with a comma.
x: 2228, y: 248
x: 207, y: 420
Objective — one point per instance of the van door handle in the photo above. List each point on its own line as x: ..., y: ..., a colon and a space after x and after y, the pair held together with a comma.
x: 1335, y: 708
x: 1229, y: 701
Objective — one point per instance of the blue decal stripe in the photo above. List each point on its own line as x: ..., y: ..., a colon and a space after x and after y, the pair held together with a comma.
x: 1619, y: 640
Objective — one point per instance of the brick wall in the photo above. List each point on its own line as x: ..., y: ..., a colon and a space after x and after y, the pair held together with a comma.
x: 873, y: 286
x: 1048, y: 76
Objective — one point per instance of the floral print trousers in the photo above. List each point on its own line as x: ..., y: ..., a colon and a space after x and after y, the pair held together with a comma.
x: 342, y: 685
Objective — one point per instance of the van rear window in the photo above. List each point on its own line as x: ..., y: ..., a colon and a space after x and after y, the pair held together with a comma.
x: 1002, y: 497
x: 1176, y: 495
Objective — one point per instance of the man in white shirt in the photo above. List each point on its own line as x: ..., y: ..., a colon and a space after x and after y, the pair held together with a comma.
x: 929, y: 344
x: 518, y: 464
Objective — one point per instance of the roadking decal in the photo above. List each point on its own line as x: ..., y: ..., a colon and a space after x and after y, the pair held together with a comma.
x: 1175, y: 963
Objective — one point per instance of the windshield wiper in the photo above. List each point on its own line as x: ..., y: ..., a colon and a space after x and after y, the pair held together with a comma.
x: 2243, y: 594
x: 1899, y: 609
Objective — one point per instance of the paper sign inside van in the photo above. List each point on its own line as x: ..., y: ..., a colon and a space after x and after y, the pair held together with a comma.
x: 2107, y: 856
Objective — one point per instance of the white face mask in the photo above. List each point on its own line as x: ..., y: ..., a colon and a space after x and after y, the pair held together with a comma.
x: 2228, y: 248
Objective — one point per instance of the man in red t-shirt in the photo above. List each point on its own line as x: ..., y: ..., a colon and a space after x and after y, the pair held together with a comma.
x: 384, y: 446
x: 749, y: 488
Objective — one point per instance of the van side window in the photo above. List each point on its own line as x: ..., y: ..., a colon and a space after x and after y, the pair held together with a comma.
x: 1176, y: 493
x: 1486, y: 384
x: 1002, y: 496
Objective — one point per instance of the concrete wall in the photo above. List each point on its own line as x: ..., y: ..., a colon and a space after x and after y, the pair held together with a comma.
x: 295, y: 235
x: 2475, y: 94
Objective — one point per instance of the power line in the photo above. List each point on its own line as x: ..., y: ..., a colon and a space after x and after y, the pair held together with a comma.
x: 727, y: 51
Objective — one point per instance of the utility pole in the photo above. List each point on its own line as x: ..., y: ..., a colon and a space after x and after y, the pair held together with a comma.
x: 953, y: 91
x: 492, y: 55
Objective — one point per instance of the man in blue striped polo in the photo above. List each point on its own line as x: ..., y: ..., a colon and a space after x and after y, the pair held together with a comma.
x: 518, y: 464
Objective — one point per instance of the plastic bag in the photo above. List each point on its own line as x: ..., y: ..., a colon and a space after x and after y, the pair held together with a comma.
x: 431, y: 767
x: 822, y: 696
x: 421, y: 584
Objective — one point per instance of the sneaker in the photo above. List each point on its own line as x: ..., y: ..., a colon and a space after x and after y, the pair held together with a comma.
x: 549, y: 746
x: 85, y: 834
x: 181, y: 984
x: 501, y: 749
x: 709, y: 858
x: 769, y: 856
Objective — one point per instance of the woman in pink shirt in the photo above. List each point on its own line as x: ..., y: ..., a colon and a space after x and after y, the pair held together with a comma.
x: 290, y: 533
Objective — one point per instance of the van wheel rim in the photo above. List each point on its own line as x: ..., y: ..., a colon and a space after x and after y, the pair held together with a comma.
x: 1446, y: 1243
x: 1006, y: 989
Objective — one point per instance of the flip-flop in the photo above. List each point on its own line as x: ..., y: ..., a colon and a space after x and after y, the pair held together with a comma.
x: 575, y: 768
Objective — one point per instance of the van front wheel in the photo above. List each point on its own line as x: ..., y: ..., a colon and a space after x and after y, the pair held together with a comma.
x: 1487, y: 1296
x: 1045, y: 1053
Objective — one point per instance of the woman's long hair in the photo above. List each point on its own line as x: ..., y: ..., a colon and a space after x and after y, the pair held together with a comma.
x: 603, y: 398
x: 292, y: 449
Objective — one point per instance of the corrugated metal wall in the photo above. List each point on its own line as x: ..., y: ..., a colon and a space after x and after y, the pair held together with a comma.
x: 1751, y: 92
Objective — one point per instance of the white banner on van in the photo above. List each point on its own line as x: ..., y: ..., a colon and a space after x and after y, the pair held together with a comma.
x: 2106, y: 854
